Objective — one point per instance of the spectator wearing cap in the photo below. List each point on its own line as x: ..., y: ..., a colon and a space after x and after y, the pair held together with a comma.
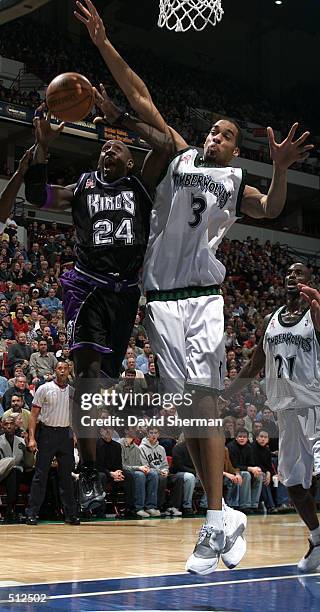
x: 19, y: 353
x: 145, y: 479
x: 64, y: 353
x: 20, y: 387
x: 42, y: 364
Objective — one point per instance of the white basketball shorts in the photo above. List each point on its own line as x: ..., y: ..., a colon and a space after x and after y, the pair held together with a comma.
x: 298, y: 434
x: 187, y: 336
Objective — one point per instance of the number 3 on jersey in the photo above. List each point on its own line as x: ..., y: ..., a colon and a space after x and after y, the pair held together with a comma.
x: 103, y: 233
x: 198, y: 206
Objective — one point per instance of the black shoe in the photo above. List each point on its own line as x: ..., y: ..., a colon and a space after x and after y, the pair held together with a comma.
x: 202, y: 511
x: 10, y: 517
x: 31, y: 520
x: 272, y: 511
x: 72, y: 520
x: 188, y: 512
x: 90, y: 488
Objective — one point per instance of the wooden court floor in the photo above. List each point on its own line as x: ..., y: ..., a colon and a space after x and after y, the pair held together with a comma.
x: 58, y: 552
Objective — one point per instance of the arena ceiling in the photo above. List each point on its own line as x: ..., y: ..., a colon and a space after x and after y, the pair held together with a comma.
x: 272, y: 47
x: 302, y: 15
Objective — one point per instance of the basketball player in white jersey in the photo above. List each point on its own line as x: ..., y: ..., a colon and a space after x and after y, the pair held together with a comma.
x: 289, y: 351
x: 196, y: 202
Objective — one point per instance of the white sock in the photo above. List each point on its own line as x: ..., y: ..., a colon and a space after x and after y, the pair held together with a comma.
x: 214, y: 518
x: 315, y: 535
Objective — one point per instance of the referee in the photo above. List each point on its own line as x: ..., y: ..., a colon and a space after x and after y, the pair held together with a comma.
x: 50, y: 409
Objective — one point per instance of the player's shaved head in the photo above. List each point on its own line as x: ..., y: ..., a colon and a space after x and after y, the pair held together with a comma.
x: 115, y: 160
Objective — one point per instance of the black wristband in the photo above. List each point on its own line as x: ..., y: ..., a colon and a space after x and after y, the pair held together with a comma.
x: 122, y: 118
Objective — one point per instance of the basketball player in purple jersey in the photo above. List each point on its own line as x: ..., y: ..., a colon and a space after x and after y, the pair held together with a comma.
x: 111, y: 213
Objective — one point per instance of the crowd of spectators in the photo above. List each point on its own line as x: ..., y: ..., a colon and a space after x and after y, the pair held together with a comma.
x: 175, y: 89
x: 143, y: 460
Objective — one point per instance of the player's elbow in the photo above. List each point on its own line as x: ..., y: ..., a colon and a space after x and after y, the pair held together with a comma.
x: 271, y: 214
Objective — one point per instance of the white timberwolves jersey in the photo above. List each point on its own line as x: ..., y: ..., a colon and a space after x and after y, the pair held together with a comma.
x: 292, y: 362
x: 194, y: 208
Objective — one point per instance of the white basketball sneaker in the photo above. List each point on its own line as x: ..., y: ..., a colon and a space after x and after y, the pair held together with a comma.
x: 311, y: 560
x: 207, y: 551
x: 235, y: 546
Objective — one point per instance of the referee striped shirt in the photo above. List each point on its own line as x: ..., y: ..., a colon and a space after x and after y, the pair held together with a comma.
x: 54, y: 404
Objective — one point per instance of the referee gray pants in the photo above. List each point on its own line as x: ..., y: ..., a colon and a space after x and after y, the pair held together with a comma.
x: 53, y: 442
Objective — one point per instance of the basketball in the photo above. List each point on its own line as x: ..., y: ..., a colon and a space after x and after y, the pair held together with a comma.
x: 70, y: 96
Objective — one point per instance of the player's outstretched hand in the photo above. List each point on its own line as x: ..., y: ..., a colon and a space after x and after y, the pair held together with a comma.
x: 313, y: 298
x: 110, y: 111
x: 90, y: 17
x: 289, y: 151
x: 45, y: 133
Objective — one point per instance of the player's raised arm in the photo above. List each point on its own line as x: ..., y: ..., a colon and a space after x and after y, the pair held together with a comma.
x: 283, y: 154
x: 131, y: 84
x: 9, y: 194
x: 163, y: 144
x: 38, y: 192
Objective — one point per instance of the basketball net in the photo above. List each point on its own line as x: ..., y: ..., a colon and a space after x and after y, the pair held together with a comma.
x: 181, y: 15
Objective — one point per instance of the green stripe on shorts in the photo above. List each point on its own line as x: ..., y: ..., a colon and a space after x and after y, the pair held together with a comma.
x: 182, y: 294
